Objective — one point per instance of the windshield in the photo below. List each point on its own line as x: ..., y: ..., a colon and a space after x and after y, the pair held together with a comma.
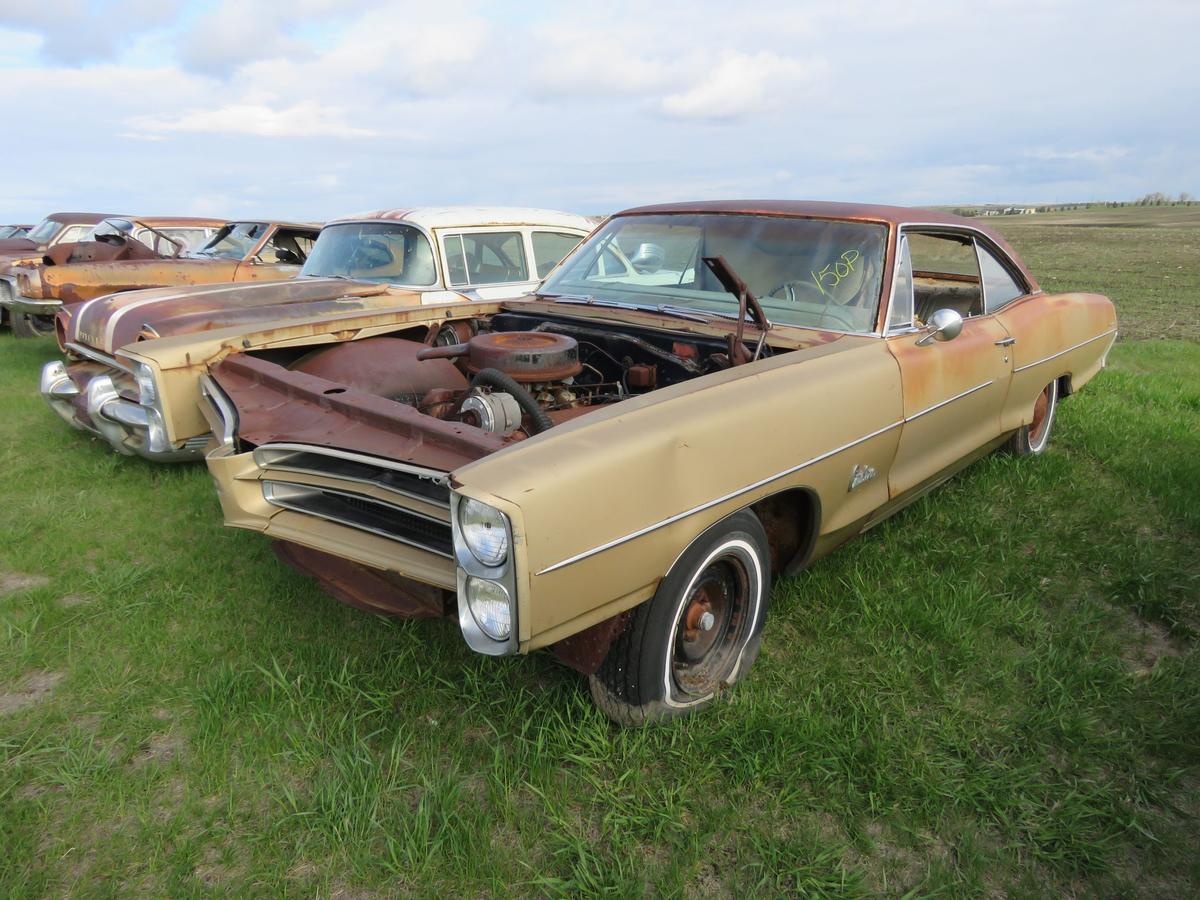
x: 45, y: 230
x: 807, y: 272
x: 111, y: 227
x: 373, y: 251
x: 233, y: 241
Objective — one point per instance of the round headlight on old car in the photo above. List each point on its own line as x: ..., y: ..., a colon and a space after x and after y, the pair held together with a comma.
x: 484, y: 530
x: 491, y: 607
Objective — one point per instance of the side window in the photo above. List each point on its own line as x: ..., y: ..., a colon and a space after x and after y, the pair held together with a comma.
x: 901, y: 314
x: 287, y: 247
x: 73, y: 233
x: 945, y: 274
x: 999, y: 286
x: 486, y: 258
x: 456, y: 261
x: 149, y: 238
x: 549, y: 247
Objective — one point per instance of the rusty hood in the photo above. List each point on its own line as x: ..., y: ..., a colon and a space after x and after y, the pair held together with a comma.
x: 17, y: 247
x: 110, y: 322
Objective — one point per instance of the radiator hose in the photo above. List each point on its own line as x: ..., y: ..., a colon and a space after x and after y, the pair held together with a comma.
x: 499, y: 381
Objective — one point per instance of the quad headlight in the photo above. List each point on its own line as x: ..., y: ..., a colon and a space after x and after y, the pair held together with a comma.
x: 486, y: 576
x: 485, y: 532
x: 490, y: 606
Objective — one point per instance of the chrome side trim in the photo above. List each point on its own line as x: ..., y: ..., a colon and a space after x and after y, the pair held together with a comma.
x: 966, y: 393
x: 224, y: 408
x: 1061, y: 352
x: 753, y: 487
x: 719, y: 500
x: 119, y: 314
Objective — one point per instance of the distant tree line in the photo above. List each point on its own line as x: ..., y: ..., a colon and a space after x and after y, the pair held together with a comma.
x: 1158, y: 198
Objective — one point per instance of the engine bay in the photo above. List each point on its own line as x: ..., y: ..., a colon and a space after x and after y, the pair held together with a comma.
x: 515, y: 374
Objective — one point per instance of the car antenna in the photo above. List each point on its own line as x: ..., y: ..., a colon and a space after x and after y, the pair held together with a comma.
x: 747, y: 302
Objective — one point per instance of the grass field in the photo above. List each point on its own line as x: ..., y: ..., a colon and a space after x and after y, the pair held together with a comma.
x: 996, y: 692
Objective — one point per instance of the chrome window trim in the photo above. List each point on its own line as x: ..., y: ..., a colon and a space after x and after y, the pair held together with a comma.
x: 1062, y: 352
x: 901, y: 249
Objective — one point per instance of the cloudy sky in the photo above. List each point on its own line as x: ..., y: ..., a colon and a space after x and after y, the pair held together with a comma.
x: 315, y: 108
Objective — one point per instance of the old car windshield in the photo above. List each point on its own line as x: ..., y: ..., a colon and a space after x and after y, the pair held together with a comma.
x: 389, y: 252
x: 45, y: 230
x: 233, y: 241
x: 808, y: 272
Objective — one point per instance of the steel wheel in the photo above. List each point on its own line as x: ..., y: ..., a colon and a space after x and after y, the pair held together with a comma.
x: 700, y: 632
x: 1031, y: 439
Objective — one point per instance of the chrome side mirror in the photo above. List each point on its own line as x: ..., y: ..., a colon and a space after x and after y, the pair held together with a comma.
x: 944, y: 325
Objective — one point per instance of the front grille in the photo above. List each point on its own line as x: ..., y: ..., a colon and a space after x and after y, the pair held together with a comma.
x: 371, y: 515
x: 422, y: 484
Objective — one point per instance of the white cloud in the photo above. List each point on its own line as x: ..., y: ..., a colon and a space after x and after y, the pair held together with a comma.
x: 341, y: 104
x: 741, y: 85
x: 82, y: 31
x: 300, y: 120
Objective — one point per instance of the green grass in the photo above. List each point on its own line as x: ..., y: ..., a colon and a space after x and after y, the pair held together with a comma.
x: 995, y: 692
x: 1147, y: 259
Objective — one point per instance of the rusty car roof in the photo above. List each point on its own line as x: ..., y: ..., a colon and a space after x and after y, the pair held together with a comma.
x: 156, y: 221
x: 814, y: 209
x: 82, y: 218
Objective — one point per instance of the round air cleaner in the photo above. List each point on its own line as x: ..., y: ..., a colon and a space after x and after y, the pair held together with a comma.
x: 528, y: 356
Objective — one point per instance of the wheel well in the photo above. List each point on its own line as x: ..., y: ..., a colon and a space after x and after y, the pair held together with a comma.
x: 1064, y: 385
x: 791, y: 520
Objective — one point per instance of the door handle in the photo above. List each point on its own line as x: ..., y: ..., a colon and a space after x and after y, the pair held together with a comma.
x: 1006, y: 342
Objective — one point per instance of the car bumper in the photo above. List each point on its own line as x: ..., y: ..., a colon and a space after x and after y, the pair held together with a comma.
x: 30, y: 306
x: 89, y: 400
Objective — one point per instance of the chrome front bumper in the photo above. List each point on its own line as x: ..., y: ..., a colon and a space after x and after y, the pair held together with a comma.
x: 30, y: 306
x: 128, y: 427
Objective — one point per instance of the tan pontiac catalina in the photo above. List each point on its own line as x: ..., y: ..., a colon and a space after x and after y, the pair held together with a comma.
x: 700, y: 397
x: 381, y: 262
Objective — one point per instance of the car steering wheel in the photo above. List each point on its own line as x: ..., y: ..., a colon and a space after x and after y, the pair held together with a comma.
x: 791, y: 286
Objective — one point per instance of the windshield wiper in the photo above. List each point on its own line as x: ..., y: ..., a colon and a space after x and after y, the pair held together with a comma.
x: 747, y: 302
x: 665, y: 309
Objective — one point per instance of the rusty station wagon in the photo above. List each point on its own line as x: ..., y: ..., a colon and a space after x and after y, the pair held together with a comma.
x: 119, y: 254
x: 701, y: 397
x: 381, y: 261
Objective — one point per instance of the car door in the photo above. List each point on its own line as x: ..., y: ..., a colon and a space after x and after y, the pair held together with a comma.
x: 264, y: 263
x: 953, y: 390
x: 1038, y: 333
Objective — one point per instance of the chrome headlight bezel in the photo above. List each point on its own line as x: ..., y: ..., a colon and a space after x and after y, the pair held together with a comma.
x: 472, y: 572
x: 147, y: 386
